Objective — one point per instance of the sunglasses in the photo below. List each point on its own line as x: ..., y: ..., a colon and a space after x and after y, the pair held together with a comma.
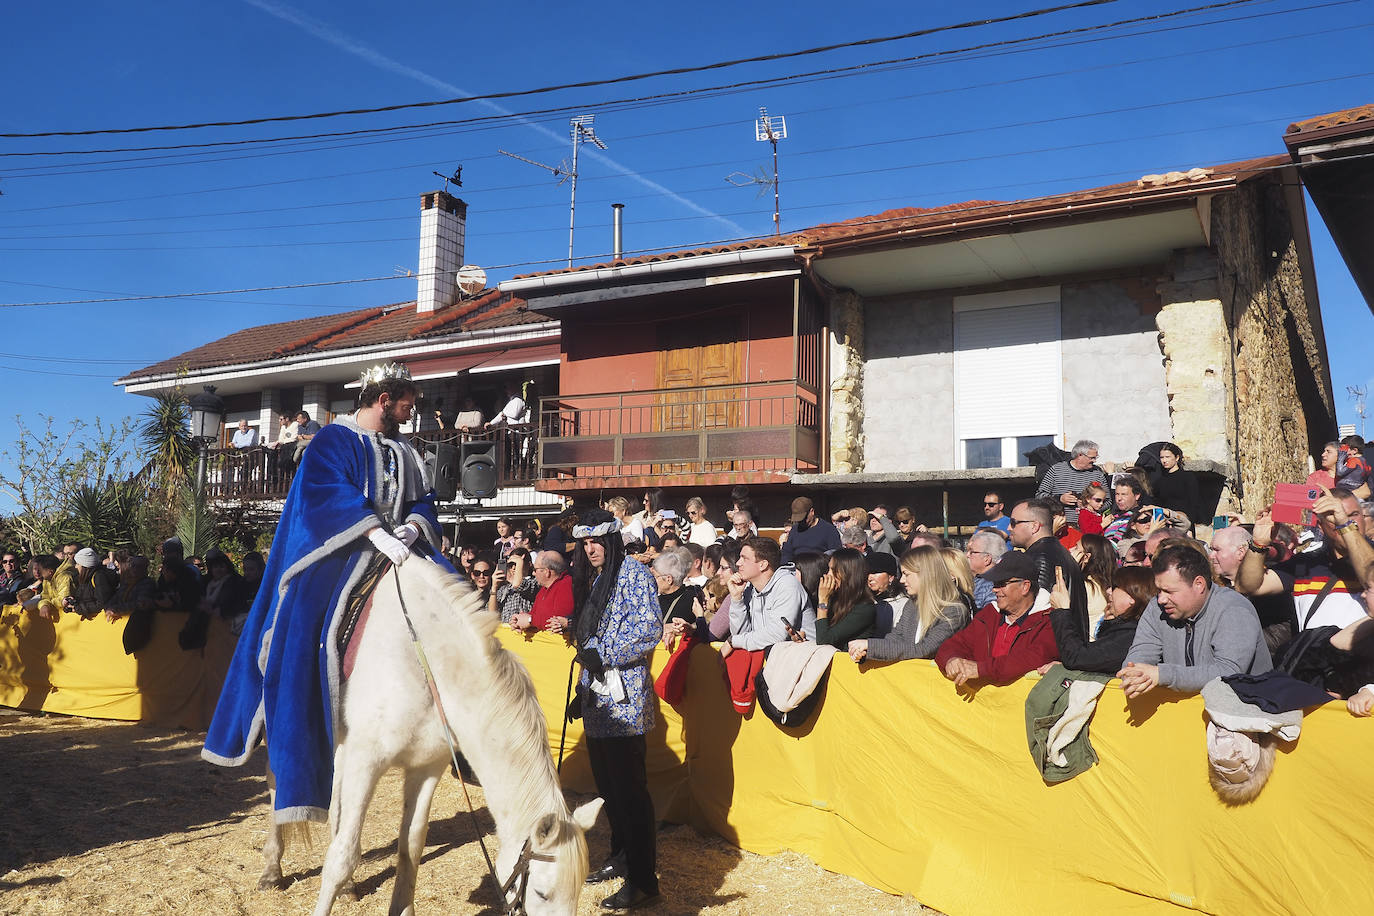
x: 481, y: 572
x: 991, y: 504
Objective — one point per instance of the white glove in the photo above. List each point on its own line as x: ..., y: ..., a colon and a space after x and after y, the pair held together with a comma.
x: 396, y: 551
x: 407, y: 533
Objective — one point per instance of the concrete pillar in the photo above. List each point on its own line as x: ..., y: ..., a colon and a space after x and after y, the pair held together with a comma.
x: 267, y: 416
x: 846, y: 383
x: 1194, y: 340
x: 315, y: 401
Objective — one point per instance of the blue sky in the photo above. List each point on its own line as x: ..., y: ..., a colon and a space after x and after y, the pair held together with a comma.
x: 1004, y: 123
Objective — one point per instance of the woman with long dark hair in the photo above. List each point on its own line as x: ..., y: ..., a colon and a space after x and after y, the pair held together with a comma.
x: 1132, y: 588
x: 616, y: 626
x: 844, y: 608
x: 1098, y: 559
x: 1177, y: 488
x: 937, y: 610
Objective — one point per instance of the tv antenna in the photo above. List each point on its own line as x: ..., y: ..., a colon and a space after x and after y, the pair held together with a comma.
x: 1357, y: 394
x: 456, y: 178
x: 582, y: 132
x: 771, y: 129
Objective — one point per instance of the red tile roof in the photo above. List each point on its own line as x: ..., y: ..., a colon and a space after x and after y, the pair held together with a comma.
x: 952, y: 215
x: 388, y: 324
x: 1345, y: 118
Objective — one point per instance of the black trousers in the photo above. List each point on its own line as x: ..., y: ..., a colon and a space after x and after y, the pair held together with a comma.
x: 621, y: 780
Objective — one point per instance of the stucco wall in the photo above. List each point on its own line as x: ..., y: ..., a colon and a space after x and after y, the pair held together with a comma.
x: 1113, y: 375
x: 909, y: 384
x: 1113, y: 370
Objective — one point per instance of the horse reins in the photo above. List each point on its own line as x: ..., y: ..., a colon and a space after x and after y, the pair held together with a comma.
x: 521, y: 871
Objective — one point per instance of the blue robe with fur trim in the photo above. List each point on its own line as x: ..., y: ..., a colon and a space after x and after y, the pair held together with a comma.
x: 283, y: 683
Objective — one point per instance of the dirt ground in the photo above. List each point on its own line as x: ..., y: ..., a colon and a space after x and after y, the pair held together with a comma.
x: 106, y: 817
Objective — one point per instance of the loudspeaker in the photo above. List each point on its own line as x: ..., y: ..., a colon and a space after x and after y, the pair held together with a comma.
x: 478, y: 475
x: 445, y: 472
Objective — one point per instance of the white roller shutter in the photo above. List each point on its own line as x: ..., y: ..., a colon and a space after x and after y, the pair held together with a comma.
x: 1007, y: 375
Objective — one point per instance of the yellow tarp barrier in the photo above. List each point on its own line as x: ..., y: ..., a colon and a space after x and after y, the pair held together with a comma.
x: 78, y: 667
x: 898, y: 780
x: 907, y: 785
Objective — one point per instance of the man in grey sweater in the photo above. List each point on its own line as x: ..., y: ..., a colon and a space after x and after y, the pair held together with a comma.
x: 763, y: 596
x: 1193, y: 631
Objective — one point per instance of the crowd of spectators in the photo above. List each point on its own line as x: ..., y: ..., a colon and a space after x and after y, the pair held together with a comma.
x: 1100, y: 570
x: 78, y: 580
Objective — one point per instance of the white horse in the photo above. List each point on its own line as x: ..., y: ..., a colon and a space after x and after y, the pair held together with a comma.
x: 390, y: 720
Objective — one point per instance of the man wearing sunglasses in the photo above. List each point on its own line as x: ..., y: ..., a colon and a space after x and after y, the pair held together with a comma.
x: 993, y: 516
x: 12, y: 578
x: 1006, y: 639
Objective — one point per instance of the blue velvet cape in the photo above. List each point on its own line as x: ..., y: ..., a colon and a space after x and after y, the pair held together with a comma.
x: 283, y: 683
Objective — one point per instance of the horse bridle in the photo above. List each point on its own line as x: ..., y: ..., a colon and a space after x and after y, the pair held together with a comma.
x: 520, y: 872
x: 520, y: 879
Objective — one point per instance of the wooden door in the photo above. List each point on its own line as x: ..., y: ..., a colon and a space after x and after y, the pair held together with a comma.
x: 693, y: 354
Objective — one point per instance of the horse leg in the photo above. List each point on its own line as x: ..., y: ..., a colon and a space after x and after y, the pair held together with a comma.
x: 410, y: 847
x: 347, y: 891
x: 271, y: 850
x: 353, y: 794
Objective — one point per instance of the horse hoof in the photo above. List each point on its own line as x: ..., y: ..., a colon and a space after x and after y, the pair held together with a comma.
x: 349, y: 893
x: 266, y: 883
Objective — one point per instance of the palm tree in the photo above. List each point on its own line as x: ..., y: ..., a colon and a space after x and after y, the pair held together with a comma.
x: 165, y: 437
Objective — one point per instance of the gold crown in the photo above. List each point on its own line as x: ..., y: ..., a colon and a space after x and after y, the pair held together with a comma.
x: 383, y: 371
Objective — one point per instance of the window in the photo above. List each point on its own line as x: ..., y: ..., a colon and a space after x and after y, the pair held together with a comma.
x: 1007, y: 375
x: 983, y: 453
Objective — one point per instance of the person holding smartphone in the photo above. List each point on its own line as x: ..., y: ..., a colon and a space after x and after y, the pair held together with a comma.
x: 512, y: 585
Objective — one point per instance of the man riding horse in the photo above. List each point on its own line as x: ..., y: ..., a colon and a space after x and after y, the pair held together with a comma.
x: 360, y: 497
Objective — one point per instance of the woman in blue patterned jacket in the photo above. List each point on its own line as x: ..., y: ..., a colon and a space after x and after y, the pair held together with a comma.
x: 617, y: 626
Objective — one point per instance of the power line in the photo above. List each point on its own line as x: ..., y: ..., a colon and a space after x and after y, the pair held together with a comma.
x: 487, y: 121
x: 602, y: 107
x: 971, y: 208
x: 587, y: 84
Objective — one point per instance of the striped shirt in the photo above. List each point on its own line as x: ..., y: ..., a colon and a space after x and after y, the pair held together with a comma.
x: 1064, y: 478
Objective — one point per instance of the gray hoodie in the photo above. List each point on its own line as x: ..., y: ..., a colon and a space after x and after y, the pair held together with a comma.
x: 1226, y: 639
x: 756, y: 620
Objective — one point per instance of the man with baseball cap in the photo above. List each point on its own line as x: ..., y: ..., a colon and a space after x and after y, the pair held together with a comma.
x: 1005, y: 640
x: 810, y: 533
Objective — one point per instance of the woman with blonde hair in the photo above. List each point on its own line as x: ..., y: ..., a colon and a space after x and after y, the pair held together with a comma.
x: 935, y: 612
x: 956, y: 561
x: 631, y: 528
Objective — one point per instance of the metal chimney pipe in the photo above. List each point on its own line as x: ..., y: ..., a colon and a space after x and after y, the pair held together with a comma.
x: 619, y: 242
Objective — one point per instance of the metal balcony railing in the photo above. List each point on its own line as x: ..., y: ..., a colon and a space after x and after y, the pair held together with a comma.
x: 763, y: 426
x: 262, y: 473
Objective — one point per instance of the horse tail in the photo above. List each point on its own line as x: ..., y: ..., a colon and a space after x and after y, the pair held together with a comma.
x: 299, y: 833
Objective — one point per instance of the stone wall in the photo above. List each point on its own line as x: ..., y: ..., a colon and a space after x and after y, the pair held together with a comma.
x: 1283, y: 407
x: 1192, y: 335
x: 846, y: 383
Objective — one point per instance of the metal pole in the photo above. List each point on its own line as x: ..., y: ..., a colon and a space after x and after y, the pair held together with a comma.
x: 777, y: 219
x: 201, y: 458
x: 618, y: 238
x: 572, y: 204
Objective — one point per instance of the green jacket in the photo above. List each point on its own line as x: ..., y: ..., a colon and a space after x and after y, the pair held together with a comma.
x: 1049, y: 702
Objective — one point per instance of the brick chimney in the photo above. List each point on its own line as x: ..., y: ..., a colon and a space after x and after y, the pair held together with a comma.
x: 443, y: 226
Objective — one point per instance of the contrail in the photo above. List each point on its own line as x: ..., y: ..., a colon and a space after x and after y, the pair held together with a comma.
x: 344, y: 43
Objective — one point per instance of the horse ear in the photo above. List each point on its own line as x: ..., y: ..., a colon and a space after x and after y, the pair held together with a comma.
x: 585, y: 815
x: 546, y: 828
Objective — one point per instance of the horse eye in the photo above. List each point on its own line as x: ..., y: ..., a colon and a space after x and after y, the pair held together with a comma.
x: 541, y: 895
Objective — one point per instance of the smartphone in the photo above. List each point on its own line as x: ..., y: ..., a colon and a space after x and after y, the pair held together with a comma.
x: 790, y: 631
x: 1293, y: 503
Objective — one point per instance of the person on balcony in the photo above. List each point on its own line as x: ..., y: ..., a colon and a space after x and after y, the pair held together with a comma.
x: 284, y: 446
x: 469, y: 419
x: 245, y: 436
x: 703, y: 531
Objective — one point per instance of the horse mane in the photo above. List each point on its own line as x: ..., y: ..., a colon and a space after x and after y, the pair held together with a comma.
x: 507, y: 691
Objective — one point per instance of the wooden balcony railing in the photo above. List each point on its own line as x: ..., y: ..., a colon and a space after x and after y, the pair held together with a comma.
x: 259, y: 474
x: 764, y: 426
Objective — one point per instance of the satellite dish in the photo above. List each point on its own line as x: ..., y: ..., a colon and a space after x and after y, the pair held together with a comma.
x: 471, y: 279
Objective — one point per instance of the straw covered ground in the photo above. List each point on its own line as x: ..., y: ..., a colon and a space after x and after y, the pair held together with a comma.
x: 106, y: 817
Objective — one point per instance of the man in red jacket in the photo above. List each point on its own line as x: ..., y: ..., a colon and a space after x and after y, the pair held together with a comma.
x: 1004, y: 640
